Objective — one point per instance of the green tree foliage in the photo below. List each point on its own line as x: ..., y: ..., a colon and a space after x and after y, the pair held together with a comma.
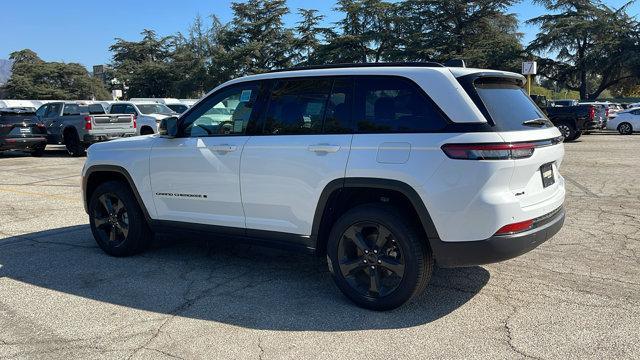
x: 33, y: 78
x: 145, y: 66
x: 480, y: 32
x: 256, y: 39
x: 595, y: 46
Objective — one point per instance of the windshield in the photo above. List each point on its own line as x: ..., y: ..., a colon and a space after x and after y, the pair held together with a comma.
x: 154, y: 109
x: 509, y: 106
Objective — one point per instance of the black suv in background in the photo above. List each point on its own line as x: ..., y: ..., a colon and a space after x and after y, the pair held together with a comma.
x: 20, y: 129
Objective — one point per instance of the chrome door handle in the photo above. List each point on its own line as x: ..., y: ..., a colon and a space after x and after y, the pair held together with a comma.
x: 324, y: 148
x: 223, y: 148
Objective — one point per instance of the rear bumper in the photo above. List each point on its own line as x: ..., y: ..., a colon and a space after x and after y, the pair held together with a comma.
x: 500, y: 247
x: 25, y: 143
x: 99, y: 137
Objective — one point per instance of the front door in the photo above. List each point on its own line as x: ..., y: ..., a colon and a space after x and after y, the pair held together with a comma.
x: 195, y: 176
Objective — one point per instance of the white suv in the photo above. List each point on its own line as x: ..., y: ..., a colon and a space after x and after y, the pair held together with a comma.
x: 386, y: 169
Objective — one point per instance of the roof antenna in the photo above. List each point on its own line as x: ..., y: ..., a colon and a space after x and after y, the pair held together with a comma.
x: 455, y: 63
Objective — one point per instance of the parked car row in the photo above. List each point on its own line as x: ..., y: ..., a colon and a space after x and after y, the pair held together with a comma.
x: 574, y: 118
x: 78, y: 124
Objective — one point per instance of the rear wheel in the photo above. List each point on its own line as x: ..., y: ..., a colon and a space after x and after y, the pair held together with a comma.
x: 38, y: 151
x: 567, y: 130
x: 625, y: 128
x: 146, y: 131
x: 117, y: 222
x: 73, y: 144
x: 377, y: 258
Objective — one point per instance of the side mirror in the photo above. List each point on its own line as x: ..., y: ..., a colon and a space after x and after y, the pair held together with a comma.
x: 168, y: 127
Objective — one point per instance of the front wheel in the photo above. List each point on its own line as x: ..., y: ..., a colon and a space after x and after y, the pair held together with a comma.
x: 377, y: 258
x: 625, y: 128
x: 117, y: 222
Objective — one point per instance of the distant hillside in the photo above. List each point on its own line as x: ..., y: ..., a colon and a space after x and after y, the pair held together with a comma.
x: 5, y: 70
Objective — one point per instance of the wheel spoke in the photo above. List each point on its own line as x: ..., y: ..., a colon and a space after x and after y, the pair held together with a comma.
x: 392, y: 265
x: 118, y: 205
x: 106, y: 202
x: 124, y: 229
x: 383, y: 237
x: 99, y: 221
x: 349, y: 266
x: 356, y: 236
x: 374, y: 283
x: 112, y: 234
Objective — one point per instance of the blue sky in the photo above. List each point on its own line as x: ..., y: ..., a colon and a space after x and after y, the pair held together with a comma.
x: 81, y: 31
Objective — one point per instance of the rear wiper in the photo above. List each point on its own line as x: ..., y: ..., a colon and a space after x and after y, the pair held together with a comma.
x: 536, y: 122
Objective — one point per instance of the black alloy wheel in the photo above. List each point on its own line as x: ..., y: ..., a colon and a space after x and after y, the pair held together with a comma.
x: 370, y: 259
x: 111, y: 219
x: 117, y: 221
x: 378, y: 256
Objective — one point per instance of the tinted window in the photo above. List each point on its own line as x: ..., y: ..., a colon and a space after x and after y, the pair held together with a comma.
x: 42, y: 110
x: 54, y: 110
x: 508, y: 106
x: 117, y: 109
x: 225, y: 113
x: 179, y: 108
x: 71, y: 109
x: 154, y: 109
x: 338, y: 114
x: 95, y: 109
x: 297, y: 106
x: 392, y: 105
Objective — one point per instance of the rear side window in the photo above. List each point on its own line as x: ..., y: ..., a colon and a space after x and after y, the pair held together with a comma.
x: 509, y: 106
x: 394, y: 105
x: 95, y: 109
x: 297, y: 106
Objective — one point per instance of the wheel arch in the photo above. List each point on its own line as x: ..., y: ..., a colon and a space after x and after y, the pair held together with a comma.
x: 325, y: 216
x: 98, y: 174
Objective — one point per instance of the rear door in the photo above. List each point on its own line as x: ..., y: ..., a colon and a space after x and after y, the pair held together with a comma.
x: 302, y: 144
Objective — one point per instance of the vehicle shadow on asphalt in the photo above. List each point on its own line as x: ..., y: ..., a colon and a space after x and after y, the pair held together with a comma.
x: 48, y: 153
x: 241, y: 285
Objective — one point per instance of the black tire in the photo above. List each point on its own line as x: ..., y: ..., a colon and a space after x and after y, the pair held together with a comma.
x: 625, y: 128
x: 578, y: 134
x: 73, y: 144
x: 39, y: 151
x: 378, y: 287
x: 146, y: 131
x: 567, y: 130
x: 123, y: 231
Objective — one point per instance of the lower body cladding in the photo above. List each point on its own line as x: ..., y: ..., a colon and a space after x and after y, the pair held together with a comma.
x: 498, y: 247
x: 22, y: 143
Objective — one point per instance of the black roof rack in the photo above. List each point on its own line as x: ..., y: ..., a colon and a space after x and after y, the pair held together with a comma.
x: 360, y: 65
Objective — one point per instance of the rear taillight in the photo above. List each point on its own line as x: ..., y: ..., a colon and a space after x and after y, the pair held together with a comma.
x: 135, y: 121
x: 87, y: 123
x: 489, y: 151
x: 515, y: 227
x: 606, y: 113
x: 592, y: 113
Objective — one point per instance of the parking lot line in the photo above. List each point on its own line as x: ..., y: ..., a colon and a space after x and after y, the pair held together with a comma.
x: 39, y: 194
